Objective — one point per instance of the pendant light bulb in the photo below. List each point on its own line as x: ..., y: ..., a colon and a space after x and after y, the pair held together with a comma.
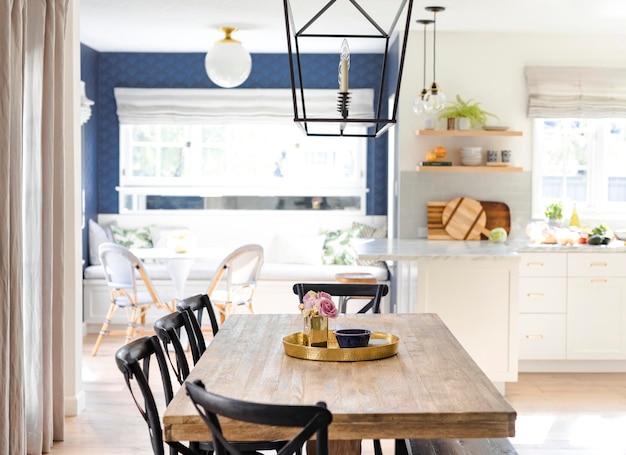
x: 419, y: 107
x: 435, y: 99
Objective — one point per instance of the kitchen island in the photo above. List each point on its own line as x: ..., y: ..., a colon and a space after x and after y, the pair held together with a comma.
x: 472, y: 285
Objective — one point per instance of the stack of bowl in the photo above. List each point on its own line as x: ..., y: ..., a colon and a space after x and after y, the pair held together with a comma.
x: 471, y: 156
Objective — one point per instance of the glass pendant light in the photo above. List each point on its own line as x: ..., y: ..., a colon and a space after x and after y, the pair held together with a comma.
x: 435, y: 99
x: 418, y: 105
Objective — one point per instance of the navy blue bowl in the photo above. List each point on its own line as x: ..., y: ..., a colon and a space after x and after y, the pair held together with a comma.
x: 353, y: 338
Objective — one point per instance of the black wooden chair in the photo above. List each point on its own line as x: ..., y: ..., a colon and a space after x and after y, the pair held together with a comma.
x: 348, y: 290
x: 313, y: 420
x: 375, y: 291
x: 168, y: 329
x: 134, y: 361
x: 195, y: 307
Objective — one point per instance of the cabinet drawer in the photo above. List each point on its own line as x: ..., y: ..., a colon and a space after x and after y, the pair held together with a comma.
x: 596, y: 264
x: 542, y: 336
x: 542, y: 295
x: 543, y: 264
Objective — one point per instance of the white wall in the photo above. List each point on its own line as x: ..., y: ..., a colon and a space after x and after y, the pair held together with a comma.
x: 489, y: 67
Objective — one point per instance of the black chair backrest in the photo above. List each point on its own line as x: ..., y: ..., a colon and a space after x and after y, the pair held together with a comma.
x: 168, y: 330
x: 313, y: 420
x: 376, y: 291
x: 134, y: 361
x: 195, y: 306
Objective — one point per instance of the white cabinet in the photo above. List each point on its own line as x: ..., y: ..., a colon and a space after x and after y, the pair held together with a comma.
x: 477, y: 300
x: 596, y: 312
x: 572, y: 306
x: 543, y: 306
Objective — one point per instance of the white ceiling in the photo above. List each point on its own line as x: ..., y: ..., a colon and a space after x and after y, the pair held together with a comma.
x: 192, y: 25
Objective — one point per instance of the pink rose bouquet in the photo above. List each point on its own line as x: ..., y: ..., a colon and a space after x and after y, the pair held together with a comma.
x: 318, y: 303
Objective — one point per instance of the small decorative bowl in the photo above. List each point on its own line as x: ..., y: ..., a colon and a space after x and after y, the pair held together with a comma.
x: 353, y: 338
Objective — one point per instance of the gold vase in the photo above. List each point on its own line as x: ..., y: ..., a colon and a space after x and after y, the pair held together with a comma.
x: 315, y: 331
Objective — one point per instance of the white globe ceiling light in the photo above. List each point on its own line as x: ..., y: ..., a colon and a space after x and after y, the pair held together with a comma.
x: 228, y: 63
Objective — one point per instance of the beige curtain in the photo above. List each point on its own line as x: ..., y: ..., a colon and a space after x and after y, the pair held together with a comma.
x: 31, y: 266
x: 13, y: 437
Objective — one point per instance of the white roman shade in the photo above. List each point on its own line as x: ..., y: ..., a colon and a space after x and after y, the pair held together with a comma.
x: 198, y: 106
x: 572, y: 92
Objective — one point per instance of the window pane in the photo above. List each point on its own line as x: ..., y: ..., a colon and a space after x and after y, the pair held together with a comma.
x: 615, y: 146
x: 565, y: 157
x: 145, y: 133
x: 171, y: 162
x: 174, y: 134
x: 144, y: 162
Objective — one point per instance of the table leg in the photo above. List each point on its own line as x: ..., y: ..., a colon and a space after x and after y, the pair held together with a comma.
x: 352, y: 447
x: 178, y: 269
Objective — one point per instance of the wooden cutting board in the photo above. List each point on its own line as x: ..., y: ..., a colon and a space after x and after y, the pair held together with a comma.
x: 464, y: 218
x: 498, y: 215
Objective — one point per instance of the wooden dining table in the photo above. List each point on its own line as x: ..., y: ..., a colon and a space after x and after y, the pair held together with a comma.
x: 430, y: 389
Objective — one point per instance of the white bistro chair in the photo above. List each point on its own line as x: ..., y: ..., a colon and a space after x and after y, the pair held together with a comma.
x: 123, y: 270
x: 235, y: 280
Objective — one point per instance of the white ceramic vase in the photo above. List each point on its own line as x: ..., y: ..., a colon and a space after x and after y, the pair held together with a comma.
x: 462, y: 123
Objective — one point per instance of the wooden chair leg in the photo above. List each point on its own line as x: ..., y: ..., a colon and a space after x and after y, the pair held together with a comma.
x: 132, y: 322
x: 105, y: 328
x: 221, y: 309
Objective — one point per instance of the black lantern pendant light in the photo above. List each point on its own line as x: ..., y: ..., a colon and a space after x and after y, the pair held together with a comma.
x: 354, y: 28
x: 418, y: 105
x: 435, y: 100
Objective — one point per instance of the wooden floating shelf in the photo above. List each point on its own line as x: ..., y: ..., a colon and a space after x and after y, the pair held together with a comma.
x: 469, y: 169
x: 466, y: 133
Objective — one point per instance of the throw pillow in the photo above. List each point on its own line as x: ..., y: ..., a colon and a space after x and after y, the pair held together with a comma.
x: 370, y: 232
x: 132, y: 237
x: 337, y: 247
x: 97, y: 234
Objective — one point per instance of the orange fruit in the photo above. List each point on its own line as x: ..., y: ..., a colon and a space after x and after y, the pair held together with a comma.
x: 431, y: 156
x: 440, y: 152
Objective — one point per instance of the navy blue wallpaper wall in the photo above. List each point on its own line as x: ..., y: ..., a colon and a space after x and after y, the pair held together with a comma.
x: 167, y: 70
x: 89, y: 75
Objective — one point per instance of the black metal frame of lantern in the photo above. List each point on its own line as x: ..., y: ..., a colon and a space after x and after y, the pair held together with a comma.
x: 377, y: 125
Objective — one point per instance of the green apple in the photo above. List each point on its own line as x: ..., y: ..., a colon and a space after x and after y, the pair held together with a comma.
x: 498, y: 235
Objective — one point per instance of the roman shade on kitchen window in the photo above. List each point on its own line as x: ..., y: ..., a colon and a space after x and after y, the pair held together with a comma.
x: 575, y: 92
x: 137, y: 106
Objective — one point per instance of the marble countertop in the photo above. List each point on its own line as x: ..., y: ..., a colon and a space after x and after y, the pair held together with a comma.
x: 413, y: 249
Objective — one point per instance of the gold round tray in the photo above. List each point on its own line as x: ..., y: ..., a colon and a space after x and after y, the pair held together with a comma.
x: 382, y: 345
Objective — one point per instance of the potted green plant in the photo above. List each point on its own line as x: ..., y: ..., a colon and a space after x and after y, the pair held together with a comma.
x: 469, y: 110
x: 554, y: 213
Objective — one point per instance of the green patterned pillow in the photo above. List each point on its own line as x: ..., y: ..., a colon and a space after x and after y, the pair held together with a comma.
x: 337, y: 248
x: 132, y: 237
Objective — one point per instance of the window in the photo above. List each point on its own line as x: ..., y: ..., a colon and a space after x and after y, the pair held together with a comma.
x: 580, y: 161
x: 270, y: 166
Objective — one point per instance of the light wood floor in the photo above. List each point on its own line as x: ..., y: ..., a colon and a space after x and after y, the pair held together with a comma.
x: 570, y: 414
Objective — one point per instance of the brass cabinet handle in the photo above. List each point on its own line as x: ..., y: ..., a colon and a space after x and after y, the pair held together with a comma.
x: 598, y: 264
x: 534, y: 264
x: 535, y: 295
x: 599, y: 281
x: 535, y: 337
